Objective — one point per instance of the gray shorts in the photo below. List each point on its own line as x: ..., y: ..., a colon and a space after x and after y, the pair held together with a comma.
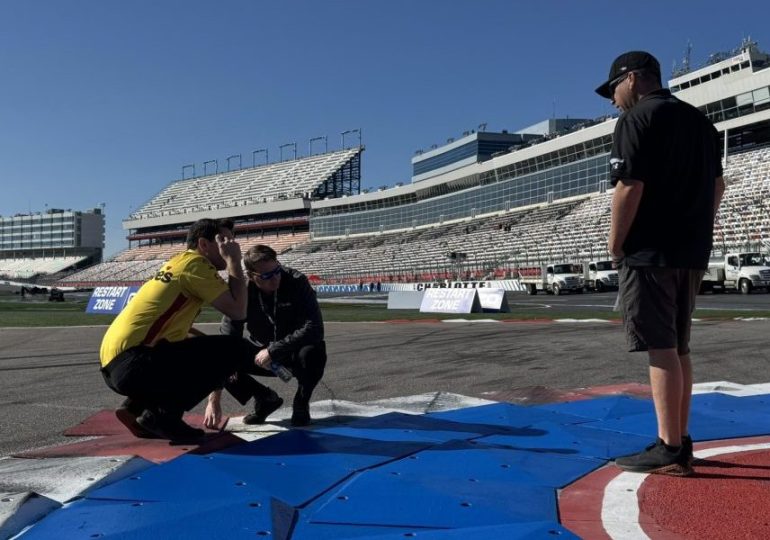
x: 657, y: 305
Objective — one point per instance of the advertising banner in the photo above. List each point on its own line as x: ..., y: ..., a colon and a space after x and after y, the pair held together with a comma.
x: 450, y: 301
x: 493, y: 300
x: 110, y: 300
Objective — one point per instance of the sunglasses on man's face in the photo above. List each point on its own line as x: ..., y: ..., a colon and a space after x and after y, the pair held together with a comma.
x: 615, y: 82
x: 269, y: 275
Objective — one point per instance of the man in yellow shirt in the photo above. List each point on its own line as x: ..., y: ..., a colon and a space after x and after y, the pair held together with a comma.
x: 146, y: 353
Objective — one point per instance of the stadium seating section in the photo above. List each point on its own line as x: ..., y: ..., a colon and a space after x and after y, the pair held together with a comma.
x: 573, y: 230
x: 743, y: 220
x: 28, y: 268
x: 277, y: 181
x: 485, y: 247
x: 136, y: 265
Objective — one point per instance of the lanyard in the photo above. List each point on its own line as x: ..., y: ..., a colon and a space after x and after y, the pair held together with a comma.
x: 275, y: 313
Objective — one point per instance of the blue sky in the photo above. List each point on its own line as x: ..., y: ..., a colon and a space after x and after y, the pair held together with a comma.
x: 104, y: 101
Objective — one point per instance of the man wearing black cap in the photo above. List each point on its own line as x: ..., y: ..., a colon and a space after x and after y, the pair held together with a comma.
x: 666, y: 169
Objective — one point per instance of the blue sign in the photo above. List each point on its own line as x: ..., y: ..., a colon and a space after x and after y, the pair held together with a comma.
x: 338, y: 288
x: 110, y: 300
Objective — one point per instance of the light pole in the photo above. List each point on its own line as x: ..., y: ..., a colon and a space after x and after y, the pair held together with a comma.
x: 254, y: 156
x: 216, y: 166
x: 292, y: 144
x: 310, y: 145
x: 240, y: 162
x: 190, y: 166
x: 348, y: 132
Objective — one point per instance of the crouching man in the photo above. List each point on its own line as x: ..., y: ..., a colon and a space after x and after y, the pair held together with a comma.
x: 284, y: 323
x: 146, y: 354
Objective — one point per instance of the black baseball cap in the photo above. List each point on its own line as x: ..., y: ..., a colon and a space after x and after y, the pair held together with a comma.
x: 630, y: 61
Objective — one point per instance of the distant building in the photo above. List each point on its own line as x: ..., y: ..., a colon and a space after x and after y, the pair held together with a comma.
x: 477, y: 147
x: 49, y: 242
x: 733, y: 91
x: 554, y: 126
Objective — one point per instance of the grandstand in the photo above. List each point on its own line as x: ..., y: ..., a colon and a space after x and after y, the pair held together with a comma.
x: 743, y: 221
x: 544, y: 199
x: 269, y: 204
x: 566, y: 230
x: 43, y: 247
x: 315, y: 176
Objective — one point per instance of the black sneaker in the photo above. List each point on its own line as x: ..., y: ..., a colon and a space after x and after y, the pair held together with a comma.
x: 687, y: 449
x: 263, y: 408
x: 127, y: 414
x: 166, y: 426
x: 300, y: 414
x: 656, y: 458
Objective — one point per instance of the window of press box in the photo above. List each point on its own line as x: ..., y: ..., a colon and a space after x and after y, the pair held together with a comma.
x: 761, y: 95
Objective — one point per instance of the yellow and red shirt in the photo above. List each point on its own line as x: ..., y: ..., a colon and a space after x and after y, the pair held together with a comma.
x: 166, y: 306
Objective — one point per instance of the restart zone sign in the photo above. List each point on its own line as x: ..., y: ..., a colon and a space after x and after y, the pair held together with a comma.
x: 110, y: 300
x: 450, y: 301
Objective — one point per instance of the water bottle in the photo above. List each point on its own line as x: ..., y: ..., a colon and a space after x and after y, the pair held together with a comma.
x: 281, y: 371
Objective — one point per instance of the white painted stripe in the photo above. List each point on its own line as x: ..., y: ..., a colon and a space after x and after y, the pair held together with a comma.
x: 620, y: 504
x: 581, y: 320
x: 65, y: 478
x: 729, y: 308
x: 329, y: 412
x: 731, y: 388
x: 470, y: 320
x: 711, y: 452
x: 430, y: 402
x: 724, y: 387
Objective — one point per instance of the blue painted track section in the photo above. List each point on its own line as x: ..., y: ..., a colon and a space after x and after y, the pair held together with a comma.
x: 486, y: 472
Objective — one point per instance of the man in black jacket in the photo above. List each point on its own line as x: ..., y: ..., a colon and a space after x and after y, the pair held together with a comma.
x: 286, y: 328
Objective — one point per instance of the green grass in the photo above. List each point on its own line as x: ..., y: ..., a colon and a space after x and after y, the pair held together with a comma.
x: 42, y: 313
x: 14, y: 313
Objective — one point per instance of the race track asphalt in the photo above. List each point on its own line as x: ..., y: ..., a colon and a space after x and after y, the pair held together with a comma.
x: 50, y: 380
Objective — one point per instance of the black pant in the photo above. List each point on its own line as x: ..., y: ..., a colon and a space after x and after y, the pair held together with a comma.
x: 307, y: 365
x: 175, y: 376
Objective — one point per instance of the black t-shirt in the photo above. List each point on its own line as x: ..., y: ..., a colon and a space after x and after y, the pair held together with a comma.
x: 674, y: 149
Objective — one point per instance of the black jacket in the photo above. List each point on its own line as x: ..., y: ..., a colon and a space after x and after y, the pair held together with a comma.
x: 294, y: 323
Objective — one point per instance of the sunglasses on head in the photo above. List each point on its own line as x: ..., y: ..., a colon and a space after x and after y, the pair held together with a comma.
x: 268, y: 275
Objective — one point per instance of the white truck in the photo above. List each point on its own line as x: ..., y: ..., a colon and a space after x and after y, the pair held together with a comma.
x: 600, y: 276
x: 552, y: 279
x: 742, y: 271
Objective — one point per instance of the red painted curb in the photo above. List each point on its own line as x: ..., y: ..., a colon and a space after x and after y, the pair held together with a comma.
x: 726, y: 498
x: 580, y: 504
